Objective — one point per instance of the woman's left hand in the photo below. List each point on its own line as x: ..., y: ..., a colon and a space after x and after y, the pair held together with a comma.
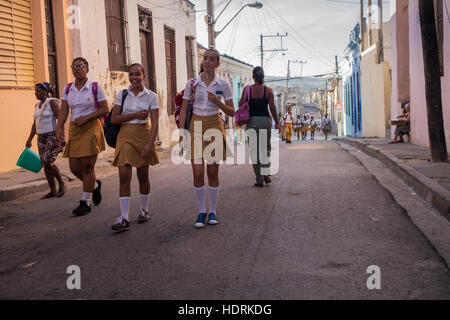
x: 213, y: 98
x: 148, y: 149
x: 80, y: 121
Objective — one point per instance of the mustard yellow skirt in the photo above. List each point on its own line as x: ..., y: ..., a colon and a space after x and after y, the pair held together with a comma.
x: 131, y: 141
x: 201, y: 142
x: 85, y: 141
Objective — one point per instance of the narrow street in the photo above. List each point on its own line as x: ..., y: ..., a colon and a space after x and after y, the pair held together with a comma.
x: 311, y: 234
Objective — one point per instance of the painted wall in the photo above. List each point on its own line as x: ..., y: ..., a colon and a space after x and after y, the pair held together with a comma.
x: 375, y: 92
x: 419, y: 124
x: 18, y: 103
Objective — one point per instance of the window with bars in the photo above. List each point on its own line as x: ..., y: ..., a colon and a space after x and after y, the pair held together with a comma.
x: 116, y: 32
x: 16, y: 44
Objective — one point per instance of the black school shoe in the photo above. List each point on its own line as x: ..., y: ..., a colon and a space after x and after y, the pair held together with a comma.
x: 97, y: 194
x: 82, y: 209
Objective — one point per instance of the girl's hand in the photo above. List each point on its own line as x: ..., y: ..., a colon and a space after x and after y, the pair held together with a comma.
x: 148, y: 149
x: 60, y: 135
x: 141, y: 115
x: 28, y: 144
x: 213, y: 98
x: 80, y: 121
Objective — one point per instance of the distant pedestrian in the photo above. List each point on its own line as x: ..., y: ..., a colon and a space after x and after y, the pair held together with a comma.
x: 312, y: 127
x: 209, y: 89
x: 45, y: 116
x: 261, y: 99
x: 282, y: 129
x: 326, y: 126
x: 298, y: 126
x: 87, y: 103
x: 135, y: 143
x: 304, y: 127
x: 288, y: 122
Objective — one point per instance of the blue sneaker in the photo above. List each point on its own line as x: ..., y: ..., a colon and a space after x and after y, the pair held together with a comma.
x: 200, y: 223
x: 212, y: 219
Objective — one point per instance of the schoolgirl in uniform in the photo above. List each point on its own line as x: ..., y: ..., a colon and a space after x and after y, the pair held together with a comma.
x: 86, y: 138
x: 135, y: 145
x: 209, y: 89
x: 44, y: 125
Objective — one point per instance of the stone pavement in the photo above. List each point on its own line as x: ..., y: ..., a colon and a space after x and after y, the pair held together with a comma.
x: 413, y: 164
x: 16, y: 183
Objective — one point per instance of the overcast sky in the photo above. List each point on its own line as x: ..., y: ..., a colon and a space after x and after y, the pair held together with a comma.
x: 317, y: 31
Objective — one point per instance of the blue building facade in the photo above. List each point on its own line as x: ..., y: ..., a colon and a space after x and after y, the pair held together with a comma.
x: 352, y: 86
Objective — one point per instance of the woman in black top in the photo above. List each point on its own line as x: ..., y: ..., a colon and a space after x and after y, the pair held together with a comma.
x: 260, y: 123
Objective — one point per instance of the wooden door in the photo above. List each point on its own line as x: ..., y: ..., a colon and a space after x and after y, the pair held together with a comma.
x: 51, y: 46
x: 169, y: 35
x: 147, y: 52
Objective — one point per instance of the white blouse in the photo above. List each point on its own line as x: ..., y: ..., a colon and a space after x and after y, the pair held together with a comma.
x: 145, y: 100
x: 202, y: 105
x: 44, y: 117
x: 82, y: 102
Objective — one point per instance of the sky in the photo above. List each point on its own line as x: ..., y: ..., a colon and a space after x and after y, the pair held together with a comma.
x: 317, y: 31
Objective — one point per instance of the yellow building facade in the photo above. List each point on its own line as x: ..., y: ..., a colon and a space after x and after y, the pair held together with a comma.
x: 33, y: 48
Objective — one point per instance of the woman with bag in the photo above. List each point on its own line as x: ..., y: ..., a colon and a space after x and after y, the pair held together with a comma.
x: 261, y: 98
x: 44, y: 125
x: 135, y: 145
x: 208, y: 89
x: 87, y: 103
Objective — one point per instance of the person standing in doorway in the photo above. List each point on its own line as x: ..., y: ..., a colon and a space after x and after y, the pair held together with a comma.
x: 207, y: 104
x: 87, y: 103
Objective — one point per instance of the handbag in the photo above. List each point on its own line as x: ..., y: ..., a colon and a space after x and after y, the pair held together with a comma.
x: 110, y: 129
x: 178, y: 101
x: 243, y: 113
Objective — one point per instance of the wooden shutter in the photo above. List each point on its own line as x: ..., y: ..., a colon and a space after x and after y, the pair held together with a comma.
x: 16, y: 44
x: 115, y: 25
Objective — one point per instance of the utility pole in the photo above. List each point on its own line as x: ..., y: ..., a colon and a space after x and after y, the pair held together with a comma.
x: 433, y: 89
x: 380, y: 32
x: 262, y: 51
x: 361, y: 27
x: 211, y: 24
x: 287, y: 79
x: 274, y: 50
x: 369, y: 26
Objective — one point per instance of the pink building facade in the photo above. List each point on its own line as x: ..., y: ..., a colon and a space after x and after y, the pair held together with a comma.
x: 408, y: 80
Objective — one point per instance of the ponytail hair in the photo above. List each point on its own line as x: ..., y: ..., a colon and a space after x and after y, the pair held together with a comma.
x: 258, y: 75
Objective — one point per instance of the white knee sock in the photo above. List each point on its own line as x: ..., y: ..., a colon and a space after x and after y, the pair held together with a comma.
x: 144, y: 201
x: 200, y: 195
x: 125, y: 207
x: 86, y: 196
x: 213, y: 195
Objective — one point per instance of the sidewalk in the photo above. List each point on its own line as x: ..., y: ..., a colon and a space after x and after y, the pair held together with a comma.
x: 16, y: 183
x: 412, y: 163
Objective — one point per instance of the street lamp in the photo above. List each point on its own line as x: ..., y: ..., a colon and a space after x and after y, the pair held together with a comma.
x: 211, y: 21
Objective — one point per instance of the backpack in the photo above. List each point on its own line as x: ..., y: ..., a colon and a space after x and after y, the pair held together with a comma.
x: 243, y: 113
x: 94, y: 93
x: 178, y: 101
x: 111, y: 130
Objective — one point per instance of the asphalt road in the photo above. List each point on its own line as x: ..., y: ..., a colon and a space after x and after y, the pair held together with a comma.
x: 311, y: 234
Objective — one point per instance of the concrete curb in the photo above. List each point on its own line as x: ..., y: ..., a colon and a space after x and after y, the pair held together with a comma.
x: 14, y: 192
x: 430, y: 190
